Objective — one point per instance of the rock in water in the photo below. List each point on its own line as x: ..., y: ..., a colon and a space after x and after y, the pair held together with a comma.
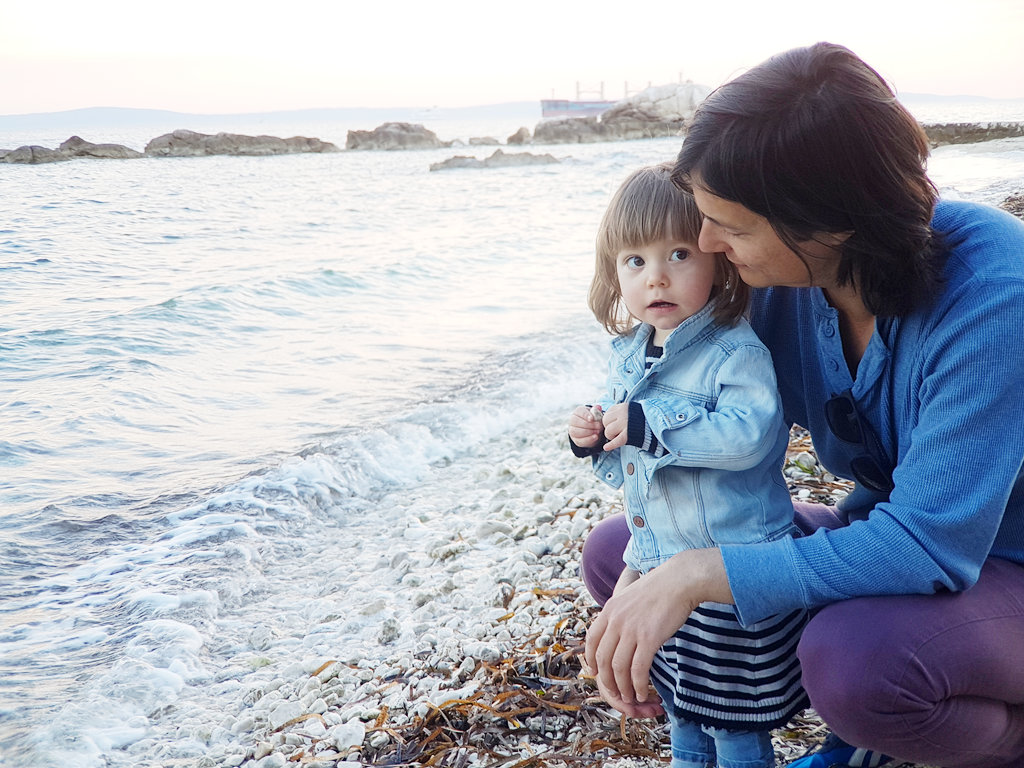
x: 498, y: 160
x: 185, y: 143
x: 940, y: 134
x: 76, y: 146
x: 394, y: 136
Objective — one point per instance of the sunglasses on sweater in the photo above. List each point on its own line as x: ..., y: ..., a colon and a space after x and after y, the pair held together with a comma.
x: 845, y: 422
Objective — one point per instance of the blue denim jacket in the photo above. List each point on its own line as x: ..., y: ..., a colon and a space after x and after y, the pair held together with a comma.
x: 712, y: 402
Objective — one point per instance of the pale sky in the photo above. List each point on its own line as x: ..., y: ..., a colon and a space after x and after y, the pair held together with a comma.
x: 225, y: 56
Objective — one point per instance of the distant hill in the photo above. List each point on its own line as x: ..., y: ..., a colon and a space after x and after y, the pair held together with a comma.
x: 134, y: 127
x: 922, y: 97
x: 92, y: 117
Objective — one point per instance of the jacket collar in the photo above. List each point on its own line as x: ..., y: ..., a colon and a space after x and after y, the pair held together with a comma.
x: 683, y: 335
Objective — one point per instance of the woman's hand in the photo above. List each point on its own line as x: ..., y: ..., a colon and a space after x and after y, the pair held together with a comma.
x: 640, y: 616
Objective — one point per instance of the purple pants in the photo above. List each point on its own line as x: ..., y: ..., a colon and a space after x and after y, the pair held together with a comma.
x: 934, y: 679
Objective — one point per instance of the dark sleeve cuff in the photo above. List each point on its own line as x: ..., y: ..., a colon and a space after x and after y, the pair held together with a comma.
x: 636, y: 431
x: 582, y: 453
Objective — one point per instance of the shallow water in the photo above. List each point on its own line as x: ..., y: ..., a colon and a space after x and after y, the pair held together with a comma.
x: 213, y: 367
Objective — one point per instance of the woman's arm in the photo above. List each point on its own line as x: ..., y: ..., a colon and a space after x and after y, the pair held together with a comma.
x: 949, y: 411
x: 640, y: 616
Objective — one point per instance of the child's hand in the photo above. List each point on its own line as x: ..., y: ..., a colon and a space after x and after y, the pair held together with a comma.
x: 616, y: 423
x: 585, y: 427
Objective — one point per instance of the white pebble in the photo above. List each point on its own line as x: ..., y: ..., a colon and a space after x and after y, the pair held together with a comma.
x: 274, y: 684
x: 314, y: 728
x: 347, y: 735
x: 318, y: 707
x: 537, y: 547
x: 554, y: 501
x: 558, y: 540
x: 805, y: 459
x: 580, y: 525
x: 263, y: 748
x: 492, y: 527
x: 283, y: 712
x: 329, y: 672
x: 274, y: 760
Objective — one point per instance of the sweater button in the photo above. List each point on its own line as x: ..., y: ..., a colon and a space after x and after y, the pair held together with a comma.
x: 638, y: 521
x: 630, y: 468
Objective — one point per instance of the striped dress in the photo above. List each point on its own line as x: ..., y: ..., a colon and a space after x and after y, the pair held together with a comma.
x: 717, y: 673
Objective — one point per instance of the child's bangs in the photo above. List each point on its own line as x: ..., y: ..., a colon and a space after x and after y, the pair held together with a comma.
x: 649, y: 212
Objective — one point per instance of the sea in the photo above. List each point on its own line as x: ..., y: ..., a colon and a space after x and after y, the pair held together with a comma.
x: 207, y: 365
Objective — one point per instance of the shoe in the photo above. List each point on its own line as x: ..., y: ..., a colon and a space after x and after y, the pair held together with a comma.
x: 836, y: 753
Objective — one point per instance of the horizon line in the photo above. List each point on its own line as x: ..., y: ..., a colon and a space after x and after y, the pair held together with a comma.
x: 433, y: 108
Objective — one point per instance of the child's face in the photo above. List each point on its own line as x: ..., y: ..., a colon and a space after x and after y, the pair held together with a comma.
x: 665, y: 282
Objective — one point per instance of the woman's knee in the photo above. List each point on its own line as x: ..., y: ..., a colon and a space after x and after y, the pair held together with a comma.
x: 601, y: 562
x: 849, y: 667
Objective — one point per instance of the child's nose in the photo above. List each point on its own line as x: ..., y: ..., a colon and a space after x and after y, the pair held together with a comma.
x: 657, y: 275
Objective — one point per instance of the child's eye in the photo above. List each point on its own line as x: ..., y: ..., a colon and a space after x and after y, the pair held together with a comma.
x: 679, y: 254
x: 635, y: 262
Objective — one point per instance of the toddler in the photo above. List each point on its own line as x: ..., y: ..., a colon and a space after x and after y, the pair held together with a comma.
x: 691, y: 426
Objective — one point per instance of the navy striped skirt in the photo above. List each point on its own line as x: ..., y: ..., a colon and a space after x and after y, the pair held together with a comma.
x: 724, y: 675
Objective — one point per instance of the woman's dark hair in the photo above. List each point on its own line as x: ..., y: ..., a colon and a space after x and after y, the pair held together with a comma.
x: 815, y: 141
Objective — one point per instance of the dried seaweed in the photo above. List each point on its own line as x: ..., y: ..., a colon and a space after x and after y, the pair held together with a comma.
x: 536, y: 708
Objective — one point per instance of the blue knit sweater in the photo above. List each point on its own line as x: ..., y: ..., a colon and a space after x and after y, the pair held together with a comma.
x: 943, y: 388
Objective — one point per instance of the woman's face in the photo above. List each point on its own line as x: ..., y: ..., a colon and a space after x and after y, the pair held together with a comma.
x: 748, y: 240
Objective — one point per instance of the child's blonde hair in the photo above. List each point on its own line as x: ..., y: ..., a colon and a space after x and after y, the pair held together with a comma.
x: 649, y: 207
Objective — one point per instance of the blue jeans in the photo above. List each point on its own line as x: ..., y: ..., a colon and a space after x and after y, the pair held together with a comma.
x: 700, y: 746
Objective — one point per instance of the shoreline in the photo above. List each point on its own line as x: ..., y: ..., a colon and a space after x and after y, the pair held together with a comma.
x: 494, y: 678
x: 405, y: 136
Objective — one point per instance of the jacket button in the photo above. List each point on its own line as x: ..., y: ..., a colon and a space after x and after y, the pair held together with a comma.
x: 629, y: 468
x: 638, y: 521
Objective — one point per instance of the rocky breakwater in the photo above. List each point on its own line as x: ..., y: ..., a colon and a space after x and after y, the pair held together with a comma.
x: 940, y: 134
x: 184, y: 143
x: 661, y: 110
x: 497, y: 160
x: 391, y: 136
x: 179, y: 143
x: 70, y: 149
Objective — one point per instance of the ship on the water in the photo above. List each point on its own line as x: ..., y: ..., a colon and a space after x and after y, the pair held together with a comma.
x: 567, y: 108
x: 580, y: 106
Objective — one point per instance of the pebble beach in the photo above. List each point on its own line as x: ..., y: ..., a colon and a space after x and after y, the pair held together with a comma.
x: 492, y: 676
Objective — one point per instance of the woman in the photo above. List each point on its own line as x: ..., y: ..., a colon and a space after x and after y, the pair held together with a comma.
x: 894, y: 324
